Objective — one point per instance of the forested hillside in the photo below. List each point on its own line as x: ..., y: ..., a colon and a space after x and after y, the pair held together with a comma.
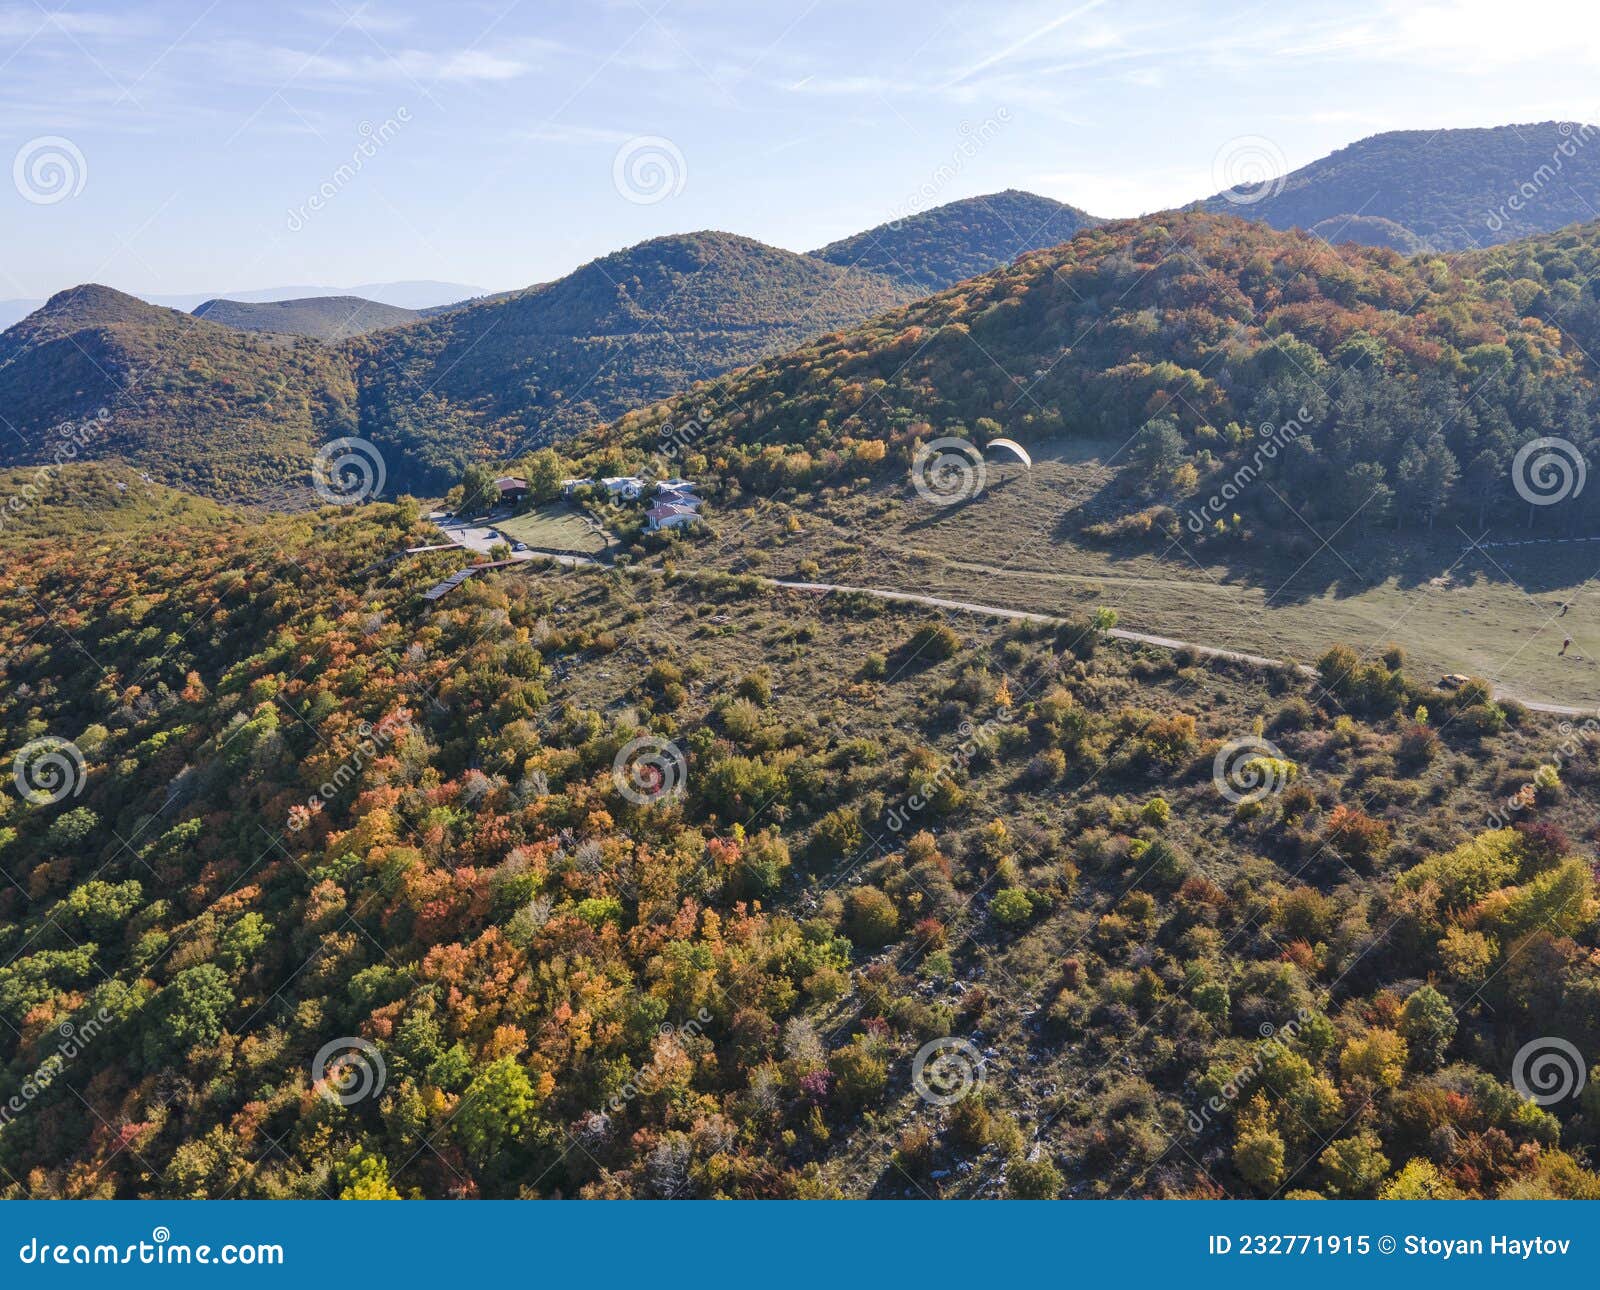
x: 630, y: 328
x: 1356, y: 385
x: 97, y: 374
x: 650, y: 883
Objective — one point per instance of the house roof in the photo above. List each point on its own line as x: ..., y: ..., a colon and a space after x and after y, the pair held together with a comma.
x: 507, y: 482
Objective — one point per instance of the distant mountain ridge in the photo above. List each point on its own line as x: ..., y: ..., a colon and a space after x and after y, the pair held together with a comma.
x: 937, y: 248
x: 1452, y: 190
x: 419, y: 295
x: 329, y: 318
x: 237, y: 410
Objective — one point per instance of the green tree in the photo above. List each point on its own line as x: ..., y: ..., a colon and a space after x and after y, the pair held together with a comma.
x: 1428, y: 1023
x: 497, y: 1109
x: 1355, y: 1166
x: 189, y: 1011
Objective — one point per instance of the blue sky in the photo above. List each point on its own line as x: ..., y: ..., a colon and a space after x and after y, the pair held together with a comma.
x: 202, y: 143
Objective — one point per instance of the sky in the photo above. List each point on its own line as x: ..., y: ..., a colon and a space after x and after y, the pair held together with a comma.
x: 210, y: 146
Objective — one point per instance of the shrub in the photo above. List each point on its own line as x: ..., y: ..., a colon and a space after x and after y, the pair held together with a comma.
x: 871, y: 920
x: 1355, y: 835
x: 1011, y: 906
x: 1034, y: 1180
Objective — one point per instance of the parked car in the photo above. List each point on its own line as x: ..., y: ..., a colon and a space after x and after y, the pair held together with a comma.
x: 520, y: 546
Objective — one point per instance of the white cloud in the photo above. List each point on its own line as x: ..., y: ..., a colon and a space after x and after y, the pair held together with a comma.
x: 282, y: 65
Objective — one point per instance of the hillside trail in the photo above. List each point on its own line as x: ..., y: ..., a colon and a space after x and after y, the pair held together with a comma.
x: 1118, y: 633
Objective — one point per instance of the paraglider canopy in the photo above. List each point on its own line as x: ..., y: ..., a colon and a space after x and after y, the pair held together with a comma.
x: 1013, y: 447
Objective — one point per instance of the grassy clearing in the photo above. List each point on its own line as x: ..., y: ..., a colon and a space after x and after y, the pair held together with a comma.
x: 1495, y: 612
x: 555, y: 527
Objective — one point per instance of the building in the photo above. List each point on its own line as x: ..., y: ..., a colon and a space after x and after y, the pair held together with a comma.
x: 627, y: 487
x: 512, y: 488
x: 674, y: 497
x: 667, y: 515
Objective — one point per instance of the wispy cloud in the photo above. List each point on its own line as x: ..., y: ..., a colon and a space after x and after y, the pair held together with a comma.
x: 284, y: 65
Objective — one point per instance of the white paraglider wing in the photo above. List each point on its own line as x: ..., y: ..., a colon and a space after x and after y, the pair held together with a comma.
x: 1013, y: 447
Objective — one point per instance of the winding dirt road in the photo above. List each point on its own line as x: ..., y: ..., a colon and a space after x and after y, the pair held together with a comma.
x: 1119, y: 633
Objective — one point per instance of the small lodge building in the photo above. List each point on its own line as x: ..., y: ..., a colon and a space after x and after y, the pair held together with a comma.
x: 512, y: 489
x: 669, y: 515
